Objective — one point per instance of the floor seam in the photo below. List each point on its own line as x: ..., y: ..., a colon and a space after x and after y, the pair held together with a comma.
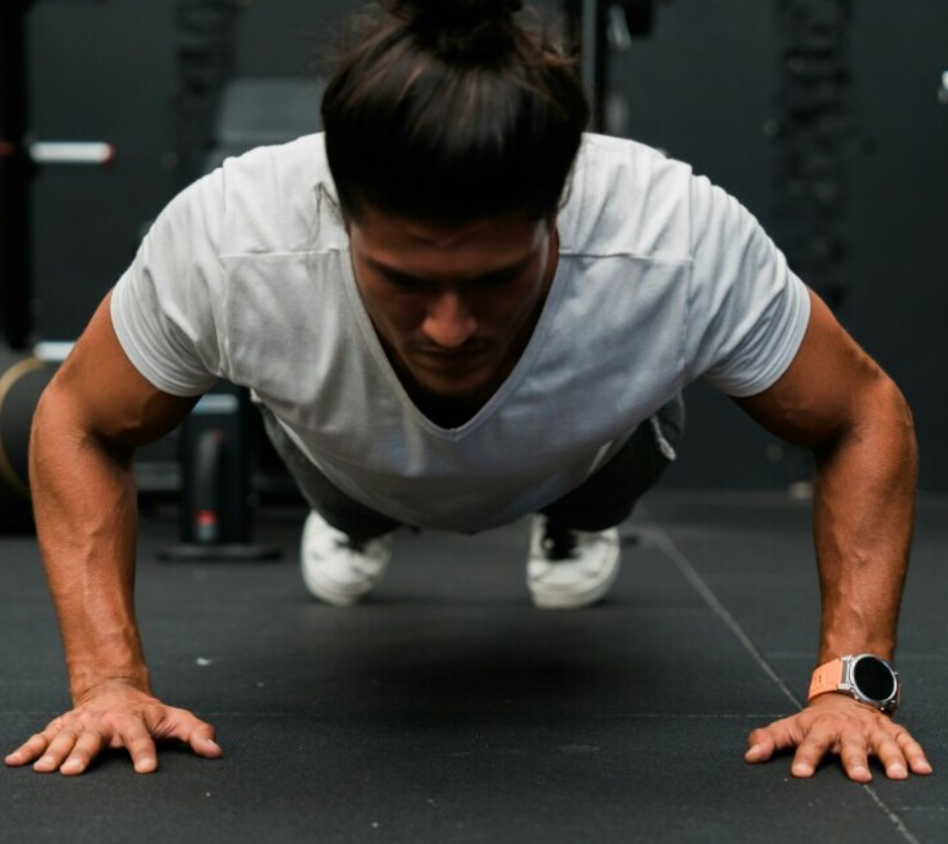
x: 681, y: 562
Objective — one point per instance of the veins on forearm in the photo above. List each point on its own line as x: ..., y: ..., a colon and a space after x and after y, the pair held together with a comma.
x: 863, y: 516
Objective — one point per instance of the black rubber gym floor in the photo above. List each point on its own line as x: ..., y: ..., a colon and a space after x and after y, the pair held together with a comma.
x: 447, y: 709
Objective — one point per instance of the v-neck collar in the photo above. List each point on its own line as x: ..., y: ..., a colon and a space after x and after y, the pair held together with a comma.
x: 510, y: 383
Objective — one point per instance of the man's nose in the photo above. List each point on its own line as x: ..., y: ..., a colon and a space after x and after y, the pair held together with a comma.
x: 449, y: 322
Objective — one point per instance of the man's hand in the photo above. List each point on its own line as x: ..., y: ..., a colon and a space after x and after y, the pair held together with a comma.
x: 111, y: 715
x: 836, y: 723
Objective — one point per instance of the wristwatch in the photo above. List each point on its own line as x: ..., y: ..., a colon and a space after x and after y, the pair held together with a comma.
x: 866, y: 677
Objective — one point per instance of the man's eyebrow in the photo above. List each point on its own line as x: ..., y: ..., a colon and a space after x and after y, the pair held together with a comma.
x: 500, y: 272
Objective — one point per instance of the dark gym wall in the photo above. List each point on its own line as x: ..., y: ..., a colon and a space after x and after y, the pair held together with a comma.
x: 702, y: 86
x: 98, y: 71
x: 106, y: 71
x: 899, y: 210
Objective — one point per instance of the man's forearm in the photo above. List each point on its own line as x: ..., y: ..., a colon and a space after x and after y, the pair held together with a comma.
x: 86, y: 513
x: 864, y: 510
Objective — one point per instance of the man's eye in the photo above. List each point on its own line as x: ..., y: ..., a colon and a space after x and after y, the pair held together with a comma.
x: 405, y: 283
x: 496, y: 280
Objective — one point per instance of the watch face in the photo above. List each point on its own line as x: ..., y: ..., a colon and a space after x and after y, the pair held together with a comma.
x: 873, y: 678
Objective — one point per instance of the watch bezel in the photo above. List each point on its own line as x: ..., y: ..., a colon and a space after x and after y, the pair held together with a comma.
x: 888, y: 704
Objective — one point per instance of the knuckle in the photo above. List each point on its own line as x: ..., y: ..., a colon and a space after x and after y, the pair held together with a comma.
x: 125, y: 724
x: 111, y: 721
x: 880, y: 738
x: 92, y: 738
x: 66, y: 736
x: 903, y: 739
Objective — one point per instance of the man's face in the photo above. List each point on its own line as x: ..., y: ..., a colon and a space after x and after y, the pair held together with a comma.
x: 453, y: 305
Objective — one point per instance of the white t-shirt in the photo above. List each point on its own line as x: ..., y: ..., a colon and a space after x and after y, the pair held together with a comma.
x: 662, y: 278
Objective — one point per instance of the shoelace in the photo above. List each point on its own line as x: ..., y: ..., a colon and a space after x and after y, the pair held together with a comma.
x: 559, y: 542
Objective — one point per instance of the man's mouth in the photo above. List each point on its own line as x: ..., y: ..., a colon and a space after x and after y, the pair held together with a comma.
x: 457, y: 359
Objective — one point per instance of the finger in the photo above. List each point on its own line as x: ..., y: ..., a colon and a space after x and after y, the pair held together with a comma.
x: 140, y: 745
x: 169, y: 722
x: 913, y: 752
x: 202, y: 741
x: 58, y: 750
x: 88, y: 746
x: 764, y: 742
x: 31, y: 749
x: 890, y: 754
x: 811, y: 751
x: 855, y: 757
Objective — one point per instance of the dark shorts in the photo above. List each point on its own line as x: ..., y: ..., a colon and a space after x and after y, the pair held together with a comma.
x: 605, y: 499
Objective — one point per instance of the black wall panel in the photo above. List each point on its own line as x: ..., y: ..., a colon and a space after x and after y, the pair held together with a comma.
x: 705, y: 88
x: 898, y: 308
x: 99, y: 71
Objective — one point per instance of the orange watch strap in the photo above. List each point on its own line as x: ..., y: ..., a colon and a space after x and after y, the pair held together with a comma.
x: 826, y: 678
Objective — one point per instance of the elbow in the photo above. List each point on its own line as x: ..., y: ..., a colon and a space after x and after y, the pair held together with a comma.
x: 60, y: 425
x: 879, y: 417
x: 893, y: 405
x: 886, y: 417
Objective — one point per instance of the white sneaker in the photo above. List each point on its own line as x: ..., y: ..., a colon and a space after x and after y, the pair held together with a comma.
x: 569, y: 569
x: 338, y: 570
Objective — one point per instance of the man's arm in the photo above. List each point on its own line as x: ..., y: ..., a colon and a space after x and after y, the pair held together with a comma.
x: 835, y: 400
x: 89, y: 421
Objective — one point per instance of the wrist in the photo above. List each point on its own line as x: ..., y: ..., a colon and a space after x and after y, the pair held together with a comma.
x: 838, y: 646
x: 866, y: 677
x: 82, y: 684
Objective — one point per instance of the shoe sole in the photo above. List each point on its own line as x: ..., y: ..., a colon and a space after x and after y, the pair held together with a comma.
x: 561, y: 599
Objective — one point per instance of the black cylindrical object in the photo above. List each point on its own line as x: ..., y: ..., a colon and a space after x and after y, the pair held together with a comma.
x: 22, y: 381
x: 215, y: 469
x: 216, y: 513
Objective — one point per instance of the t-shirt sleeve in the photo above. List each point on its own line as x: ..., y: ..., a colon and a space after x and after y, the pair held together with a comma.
x: 163, y: 306
x: 747, y: 310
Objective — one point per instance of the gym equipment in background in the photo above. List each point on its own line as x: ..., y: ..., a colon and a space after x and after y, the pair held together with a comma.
x: 20, y: 157
x: 22, y: 380
x: 595, y: 25
x: 23, y: 376
x: 215, y: 519
x: 257, y: 112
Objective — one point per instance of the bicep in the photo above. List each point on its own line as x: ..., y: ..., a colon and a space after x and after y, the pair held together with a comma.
x: 824, y: 390
x: 107, y: 395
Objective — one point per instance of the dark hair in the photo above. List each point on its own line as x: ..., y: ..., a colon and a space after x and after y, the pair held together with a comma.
x: 451, y: 111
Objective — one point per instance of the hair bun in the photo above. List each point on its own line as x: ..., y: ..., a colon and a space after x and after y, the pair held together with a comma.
x: 454, y: 15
